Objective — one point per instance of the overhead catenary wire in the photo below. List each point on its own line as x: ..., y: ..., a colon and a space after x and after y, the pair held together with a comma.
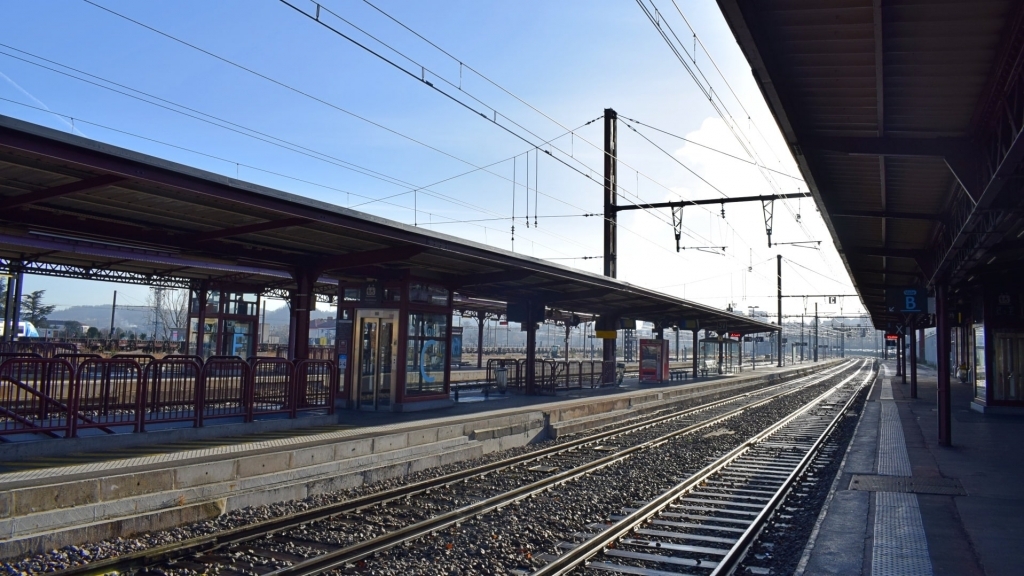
x: 245, y: 165
x: 373, y: 123
x: 422, y: 79
x: 537, y: 192
x: 710, y: 148
x: 661, y: 25
x: 423, y: 70
x: 273, y: 140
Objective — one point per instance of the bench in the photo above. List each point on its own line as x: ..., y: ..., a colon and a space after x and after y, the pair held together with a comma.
x: 678, y: 374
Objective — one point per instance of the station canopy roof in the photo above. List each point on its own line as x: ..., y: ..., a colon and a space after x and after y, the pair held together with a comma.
x: 904, y: 117
x: 74, y: 207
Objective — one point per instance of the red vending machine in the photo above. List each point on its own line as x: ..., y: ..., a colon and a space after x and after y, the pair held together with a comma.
x: 653, y: 360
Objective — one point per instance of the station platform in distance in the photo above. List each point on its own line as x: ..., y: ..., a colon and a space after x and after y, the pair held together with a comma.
x: 901, y: 505
x: 96, y: 492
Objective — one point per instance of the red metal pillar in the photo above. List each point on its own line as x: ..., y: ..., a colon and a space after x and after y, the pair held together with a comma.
x: 203, y: 293
x: 942, y: 350
x: 303, y: 301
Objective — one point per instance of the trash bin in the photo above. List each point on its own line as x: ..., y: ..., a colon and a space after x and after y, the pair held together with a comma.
x: 501, y: 378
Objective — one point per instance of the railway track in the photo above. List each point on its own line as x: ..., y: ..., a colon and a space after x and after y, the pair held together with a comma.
x: 342, y: 535
x: 707, y: 523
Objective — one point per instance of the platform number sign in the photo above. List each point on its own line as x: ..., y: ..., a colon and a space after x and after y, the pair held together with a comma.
x: 831, y: 299
x: 910, y: 300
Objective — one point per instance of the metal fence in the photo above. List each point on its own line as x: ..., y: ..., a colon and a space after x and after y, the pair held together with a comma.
x: 61, y: 396
x: 549, y: 375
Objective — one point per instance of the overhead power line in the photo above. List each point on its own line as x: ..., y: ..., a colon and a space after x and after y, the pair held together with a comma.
x: 706, y: 147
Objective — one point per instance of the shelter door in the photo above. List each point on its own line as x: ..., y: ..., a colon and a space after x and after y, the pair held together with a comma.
x: 377, y: 358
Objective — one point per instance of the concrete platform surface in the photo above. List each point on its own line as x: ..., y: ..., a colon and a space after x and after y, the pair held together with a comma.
x: 897, y: 485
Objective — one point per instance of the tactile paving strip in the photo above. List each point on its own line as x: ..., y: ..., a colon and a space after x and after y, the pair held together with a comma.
x: 892, y: 446
x: 871, y: 483
x: 900, y: 547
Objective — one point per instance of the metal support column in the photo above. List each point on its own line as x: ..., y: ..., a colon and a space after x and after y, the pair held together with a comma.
x: 10, y: 329
x: 677, y: 344
x: 913, y: 360
x: 610, y: 223
x: 721, y: 346
x: 942, y: 350
x: 740, y: 362
x: 696, y: 342
x: 203, y: 295
x: 779, y: 342
x: 303, y: 302
x: 903, y: 357
x: 531, y: 354
x: 19, y: 286
x: 815, y: 331
x: 899, y: 355
x: 480, y: 319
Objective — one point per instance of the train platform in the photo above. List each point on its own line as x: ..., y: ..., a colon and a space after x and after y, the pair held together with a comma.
x: 903, y: 505
x: 54, y: 501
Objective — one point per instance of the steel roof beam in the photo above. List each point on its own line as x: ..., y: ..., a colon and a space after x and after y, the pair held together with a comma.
x: 250, y: 229
x: 367, y: 258
x: 885, y: 214
x: 58, y: 191
x: 491, y: 278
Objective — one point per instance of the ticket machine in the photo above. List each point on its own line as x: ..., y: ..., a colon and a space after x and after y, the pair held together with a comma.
x: 653, y: 360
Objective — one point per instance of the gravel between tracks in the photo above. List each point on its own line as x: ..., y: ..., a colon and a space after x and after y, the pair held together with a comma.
x: 509, y: 541
x: 363, y: 525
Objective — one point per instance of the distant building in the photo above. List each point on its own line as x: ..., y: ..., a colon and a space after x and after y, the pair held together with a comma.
x: 322, y: 331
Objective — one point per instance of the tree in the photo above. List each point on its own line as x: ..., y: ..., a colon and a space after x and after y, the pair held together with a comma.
x: 3, y: 296
x: 92, y: 332
x: 33, y: 310
x: 73, y: 328
x: 169, y: 310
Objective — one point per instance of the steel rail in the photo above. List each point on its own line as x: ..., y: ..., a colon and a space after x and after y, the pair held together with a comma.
x: 730, y: 562
x: 359, y: 551
x: 577, y: 556
x: 235, y: 536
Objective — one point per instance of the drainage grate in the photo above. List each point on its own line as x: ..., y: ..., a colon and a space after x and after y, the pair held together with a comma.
x: 948, y: 486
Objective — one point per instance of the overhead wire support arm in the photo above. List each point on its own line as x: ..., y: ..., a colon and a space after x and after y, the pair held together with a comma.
x: 682, y: 203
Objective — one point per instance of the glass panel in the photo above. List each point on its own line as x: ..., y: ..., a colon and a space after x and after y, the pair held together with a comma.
x: 210, y: 338
x: 193, y: 334
x: 240, y: 303
x: 367, y: 362
x: 236, y: 338
x: 428, y: 294
x: 386, y: 355
x: 213, y: 302
x: 425, y: 356
x: 979, y: 360
x: 1008, y: 362
x: 351, y: 295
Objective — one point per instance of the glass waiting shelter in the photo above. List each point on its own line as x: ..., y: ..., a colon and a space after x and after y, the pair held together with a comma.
x: 709, y: 348
x: 223, y: 322
x: 394, y: 345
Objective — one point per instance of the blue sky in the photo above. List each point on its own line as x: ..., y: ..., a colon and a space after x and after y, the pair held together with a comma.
x: 568, y: 59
